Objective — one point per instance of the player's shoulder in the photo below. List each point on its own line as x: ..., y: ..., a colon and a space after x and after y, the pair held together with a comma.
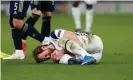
x: 58, y: 33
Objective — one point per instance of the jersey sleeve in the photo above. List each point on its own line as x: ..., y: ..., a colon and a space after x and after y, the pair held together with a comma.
x: 56, y: 34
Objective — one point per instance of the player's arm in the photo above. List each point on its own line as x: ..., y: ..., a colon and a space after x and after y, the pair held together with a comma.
x: 59, y: 56
x: 68, y: 59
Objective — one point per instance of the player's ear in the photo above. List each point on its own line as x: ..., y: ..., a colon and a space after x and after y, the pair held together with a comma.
x: 43, y: 47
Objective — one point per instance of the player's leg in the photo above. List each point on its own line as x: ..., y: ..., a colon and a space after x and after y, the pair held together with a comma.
x: 46, y: 23
x: 72, y: 47
x: 27, y: 29
x: 18, y: 15
x: 36, y: 13
x: 76, y: 15
x: 76, y: 49
x: 89, y: 14
x: 20, y: 28
x: 15, y: 10
x: 34, y: 17
x: 47, y: 8
x: 97, y: 47
x: 89, y: 18
x: 17, y: 41
x: 24, y: 28
x: 97, y: 56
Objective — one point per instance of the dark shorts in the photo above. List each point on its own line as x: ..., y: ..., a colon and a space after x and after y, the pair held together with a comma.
x: 35, y: 4
x: 18, y: 9
x: 46, y: 6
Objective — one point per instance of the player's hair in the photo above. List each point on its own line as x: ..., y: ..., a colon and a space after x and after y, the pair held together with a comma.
x: 36, y: 52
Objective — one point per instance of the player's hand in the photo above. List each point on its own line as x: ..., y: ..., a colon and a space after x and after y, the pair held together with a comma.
x: 56, y: 55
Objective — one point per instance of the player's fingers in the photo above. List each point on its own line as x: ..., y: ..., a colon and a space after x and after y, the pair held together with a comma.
x: 52, y: 55
x: 56, y: 58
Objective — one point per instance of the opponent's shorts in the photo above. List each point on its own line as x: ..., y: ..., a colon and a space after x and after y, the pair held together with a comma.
x: 18, y: 9
x: 46, y: 6
x: 35, y: 4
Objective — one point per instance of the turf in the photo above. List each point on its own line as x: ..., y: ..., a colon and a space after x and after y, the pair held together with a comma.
x: 116, y: 31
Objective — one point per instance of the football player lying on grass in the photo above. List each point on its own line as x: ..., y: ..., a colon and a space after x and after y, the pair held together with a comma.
x: 69, y: 47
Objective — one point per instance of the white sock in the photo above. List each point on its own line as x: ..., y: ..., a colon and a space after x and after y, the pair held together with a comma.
x: 76, y: 16
x: 89, y: 18
x: 19, y: 52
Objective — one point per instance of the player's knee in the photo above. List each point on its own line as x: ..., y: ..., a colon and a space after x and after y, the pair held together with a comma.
x: 35, y: 11
x: 89, y: 6
x: 17, y: 23
x: 47, y: 13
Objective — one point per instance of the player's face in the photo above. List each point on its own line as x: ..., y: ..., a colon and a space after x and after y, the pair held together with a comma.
x: 46, y: 54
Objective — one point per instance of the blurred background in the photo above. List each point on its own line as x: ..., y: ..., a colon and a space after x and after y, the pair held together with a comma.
x: 100, y: 7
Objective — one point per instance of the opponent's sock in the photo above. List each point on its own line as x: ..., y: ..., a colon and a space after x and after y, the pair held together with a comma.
x: 24, y: 46
x: 31, y: 20
x: 32, y: 32
x: 45, y: 30
x: 89, y: 18
x: 76, y: 17
x: 16, y: 35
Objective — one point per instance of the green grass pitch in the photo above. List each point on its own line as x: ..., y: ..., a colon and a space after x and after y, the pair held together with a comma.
x: 116, y: 31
